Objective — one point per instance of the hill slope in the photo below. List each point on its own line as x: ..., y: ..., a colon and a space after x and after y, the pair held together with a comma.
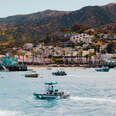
x: 36, y: 25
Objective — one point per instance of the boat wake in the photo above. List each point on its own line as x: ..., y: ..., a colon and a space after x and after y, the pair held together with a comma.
x: 10, y: 113
x: 93, y: 99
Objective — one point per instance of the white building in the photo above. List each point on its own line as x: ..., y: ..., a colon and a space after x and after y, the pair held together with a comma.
x: 28, y: 45
x: 88, y: 52
x: 76, y: 38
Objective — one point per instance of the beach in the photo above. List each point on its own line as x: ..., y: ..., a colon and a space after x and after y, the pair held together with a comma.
x: 51, y: 67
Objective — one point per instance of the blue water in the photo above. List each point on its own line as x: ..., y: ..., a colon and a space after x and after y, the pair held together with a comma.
x: 92, y: 93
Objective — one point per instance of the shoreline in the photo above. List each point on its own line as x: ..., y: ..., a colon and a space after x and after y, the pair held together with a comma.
x: 48, y: 67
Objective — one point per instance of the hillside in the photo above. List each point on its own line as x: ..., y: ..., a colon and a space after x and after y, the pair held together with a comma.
x: 35, y: 26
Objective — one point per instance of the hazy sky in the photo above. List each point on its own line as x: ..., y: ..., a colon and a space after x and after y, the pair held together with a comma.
x: 13, y: 7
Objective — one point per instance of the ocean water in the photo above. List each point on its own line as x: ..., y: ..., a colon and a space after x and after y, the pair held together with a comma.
x: 91, y: 93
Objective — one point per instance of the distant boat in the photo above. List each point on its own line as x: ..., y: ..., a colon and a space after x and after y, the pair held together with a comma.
x: 59, y: 73
x: 33, y: 75
x: 104, y: 69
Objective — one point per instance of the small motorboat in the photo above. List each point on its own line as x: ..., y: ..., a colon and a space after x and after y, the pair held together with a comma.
x: 59, y: 73
x: 32, y: 75
x: 104, y: 69
x: 51, y: 93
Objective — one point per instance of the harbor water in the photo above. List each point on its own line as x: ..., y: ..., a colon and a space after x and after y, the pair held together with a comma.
x: 91, y: 93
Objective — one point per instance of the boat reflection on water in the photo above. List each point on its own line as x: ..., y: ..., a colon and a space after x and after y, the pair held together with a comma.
x: 51, y: 93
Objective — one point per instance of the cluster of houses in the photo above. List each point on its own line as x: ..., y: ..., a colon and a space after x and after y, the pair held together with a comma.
x: 83, y: 37
x: 43, y: 53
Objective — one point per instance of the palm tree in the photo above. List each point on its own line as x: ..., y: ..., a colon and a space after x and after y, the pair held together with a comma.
x: 13, y: 53
x: 34, y: 54
x: 63, y: 53
x: 18, y: 54
x: 71, y: 56
x: 77, y: 56
x: 57, y: 53
x: 50, y: 56
x: 80, y: 55
x: 23, y: 54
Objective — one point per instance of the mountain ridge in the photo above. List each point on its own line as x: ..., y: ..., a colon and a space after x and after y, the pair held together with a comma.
x: 52, y: 20
x: 85, y: 12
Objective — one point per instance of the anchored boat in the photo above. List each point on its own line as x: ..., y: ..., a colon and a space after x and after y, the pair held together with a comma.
x: 104, y: 69
x: 51, y: 93
x: 59, y: 73
x: 32, y: 75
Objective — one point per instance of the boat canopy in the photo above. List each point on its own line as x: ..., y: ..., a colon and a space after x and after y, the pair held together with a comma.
x: 51, y: 83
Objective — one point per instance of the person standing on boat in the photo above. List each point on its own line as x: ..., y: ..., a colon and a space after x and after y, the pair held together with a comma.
x: 52, y: 89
